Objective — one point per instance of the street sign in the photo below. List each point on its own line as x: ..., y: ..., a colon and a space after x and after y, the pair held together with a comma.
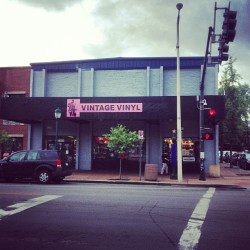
x: 140, y: 134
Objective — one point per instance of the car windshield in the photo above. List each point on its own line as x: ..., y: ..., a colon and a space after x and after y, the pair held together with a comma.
x: 19, y: 156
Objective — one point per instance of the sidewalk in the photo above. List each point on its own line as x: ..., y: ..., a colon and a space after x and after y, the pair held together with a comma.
x: 230, y: 177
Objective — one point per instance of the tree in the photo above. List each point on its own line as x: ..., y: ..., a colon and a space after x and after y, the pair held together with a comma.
x: 4, y: 138
x: 237, y: 103
x: 120, y: 141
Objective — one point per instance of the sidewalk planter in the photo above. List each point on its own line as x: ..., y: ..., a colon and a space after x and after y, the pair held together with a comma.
x: 214, y: 171
x: 151, y: 172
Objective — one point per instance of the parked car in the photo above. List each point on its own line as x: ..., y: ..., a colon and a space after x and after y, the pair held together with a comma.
x: 244, y: 161
x: 42, y: 165
x: 235, y: 158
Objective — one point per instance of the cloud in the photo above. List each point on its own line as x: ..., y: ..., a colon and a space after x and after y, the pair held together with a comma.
x: 148, y: 28
x: 136, y: 28
x: 50, y: 5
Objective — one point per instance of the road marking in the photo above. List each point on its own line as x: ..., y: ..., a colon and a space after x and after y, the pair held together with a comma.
x: 191, y: 235
x: 19, y: 207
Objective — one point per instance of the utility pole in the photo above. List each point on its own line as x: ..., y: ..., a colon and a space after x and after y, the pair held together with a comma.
x: 179, y: 135
x: 201, y: 107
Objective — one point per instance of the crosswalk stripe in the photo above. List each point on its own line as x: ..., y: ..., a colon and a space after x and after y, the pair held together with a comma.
x: 191, y: 235
x: 19, y: 207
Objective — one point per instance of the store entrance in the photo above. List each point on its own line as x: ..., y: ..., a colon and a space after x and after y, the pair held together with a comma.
x: 190, y: 153
x: 66, y: 144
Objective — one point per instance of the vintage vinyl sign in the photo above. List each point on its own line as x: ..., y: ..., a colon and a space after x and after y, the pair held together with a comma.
x: 74, y: 107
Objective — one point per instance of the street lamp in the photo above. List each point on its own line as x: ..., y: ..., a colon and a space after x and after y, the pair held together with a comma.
x: 58, y: 114
x: 179, y: 136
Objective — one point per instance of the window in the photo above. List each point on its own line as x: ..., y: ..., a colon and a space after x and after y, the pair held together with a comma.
x: 48, y: 155
x: 18, y: 156
x: 32, y: 155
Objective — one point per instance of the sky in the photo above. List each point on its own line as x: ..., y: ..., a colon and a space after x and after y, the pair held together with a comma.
x: 65, y: 30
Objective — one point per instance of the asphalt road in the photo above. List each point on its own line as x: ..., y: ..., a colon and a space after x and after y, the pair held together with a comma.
x: 101, y: 216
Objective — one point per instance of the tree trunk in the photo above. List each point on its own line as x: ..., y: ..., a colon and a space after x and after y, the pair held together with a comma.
x: 120, y: 174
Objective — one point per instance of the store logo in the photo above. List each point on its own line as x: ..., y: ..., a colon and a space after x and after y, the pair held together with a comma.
x: 74, y: 107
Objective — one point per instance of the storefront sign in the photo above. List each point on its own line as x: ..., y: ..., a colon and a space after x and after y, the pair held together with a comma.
x: 189, y: 159
x: 74, y: 107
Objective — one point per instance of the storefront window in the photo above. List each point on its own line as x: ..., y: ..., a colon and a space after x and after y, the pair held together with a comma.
x: 101, y: 151
x: 67, y: 144
x: 187, y: 147
x: 190, y: 148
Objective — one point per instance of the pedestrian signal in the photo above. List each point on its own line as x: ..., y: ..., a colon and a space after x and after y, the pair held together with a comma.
x: 208, y: 136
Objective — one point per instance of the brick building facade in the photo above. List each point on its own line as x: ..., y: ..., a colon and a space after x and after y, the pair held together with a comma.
x: 15, y: 83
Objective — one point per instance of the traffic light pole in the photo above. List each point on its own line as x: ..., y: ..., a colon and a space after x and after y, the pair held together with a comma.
x: 201, y: 108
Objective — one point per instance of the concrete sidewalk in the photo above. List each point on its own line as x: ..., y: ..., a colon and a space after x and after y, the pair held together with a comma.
x: 230, y: 177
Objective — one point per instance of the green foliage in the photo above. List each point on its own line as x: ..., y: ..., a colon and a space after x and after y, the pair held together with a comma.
x: 237, y: 103
x: 3, y: 137
x: 121, y: 140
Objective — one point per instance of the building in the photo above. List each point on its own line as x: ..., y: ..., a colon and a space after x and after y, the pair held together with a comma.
x: 14, y: 83
x: 95, y: 95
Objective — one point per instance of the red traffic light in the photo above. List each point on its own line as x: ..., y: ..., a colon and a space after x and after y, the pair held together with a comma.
x: 212, y: 112
x: 208, y: 136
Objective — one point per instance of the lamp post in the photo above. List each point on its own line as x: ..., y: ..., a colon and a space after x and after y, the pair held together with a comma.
x: 58, y: 114
x: 179, y: 135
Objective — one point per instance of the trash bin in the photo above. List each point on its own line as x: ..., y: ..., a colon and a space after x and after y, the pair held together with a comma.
x: 151, y: 172
x: 214, y: 171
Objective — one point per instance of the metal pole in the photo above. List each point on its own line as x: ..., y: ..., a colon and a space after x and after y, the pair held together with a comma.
x: 56, y: 142
x: 140, y: 158
x: 179, y: 135
x: 201, y: 107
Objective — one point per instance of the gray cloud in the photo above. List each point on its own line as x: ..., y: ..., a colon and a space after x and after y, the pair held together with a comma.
x: 50, y: 5
x: 148, y: 28
x: 133, y: 24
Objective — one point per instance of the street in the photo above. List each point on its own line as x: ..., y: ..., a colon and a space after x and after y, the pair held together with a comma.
x: 105, y: 216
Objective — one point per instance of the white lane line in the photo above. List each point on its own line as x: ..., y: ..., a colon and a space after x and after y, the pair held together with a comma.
x: 19, y: 207
x: 191, y: 235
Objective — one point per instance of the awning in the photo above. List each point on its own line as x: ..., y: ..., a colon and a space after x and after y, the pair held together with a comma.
x: 154, y: 109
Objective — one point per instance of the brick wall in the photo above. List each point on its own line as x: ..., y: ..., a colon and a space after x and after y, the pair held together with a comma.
x: 15, y: 80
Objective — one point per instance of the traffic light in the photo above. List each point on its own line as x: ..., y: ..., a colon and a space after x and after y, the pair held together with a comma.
x: 212, y: 117
x: 212, y: 112
x: 229, y: 24
x: 228, y: 33
x: 207, y: 136
x: 223, y: 49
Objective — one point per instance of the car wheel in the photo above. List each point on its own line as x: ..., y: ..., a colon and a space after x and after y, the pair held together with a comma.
x: 44, y: 176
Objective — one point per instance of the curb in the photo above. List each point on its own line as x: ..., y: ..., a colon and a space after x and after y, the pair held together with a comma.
x: 117, y: 182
